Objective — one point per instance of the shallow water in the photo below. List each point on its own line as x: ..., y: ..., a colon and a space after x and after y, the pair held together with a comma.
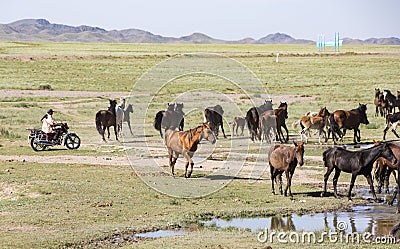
x: 378, y: 219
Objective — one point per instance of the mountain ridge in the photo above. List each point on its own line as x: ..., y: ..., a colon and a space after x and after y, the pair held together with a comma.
x: 41, y: 30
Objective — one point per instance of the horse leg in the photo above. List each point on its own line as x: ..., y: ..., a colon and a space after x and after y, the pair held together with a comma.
x: 171, y: 162
x: 108, y: 131
x: 287, y: 133
x: 395, y: 192
x: 394, y: 131
x: 371, y: 186
x: 280, y: 182
x: 129, y: 125
x: 289, y: 175
x: 272, y: 170
x: 326, y: 177
x: 381, y: 177
x: 387, y: 176
x: 186, y: 167
x: 222, y: 128
x: 353, y: 179
x: 102, y: 134
x: 335, y: 180
x: 116, y: 131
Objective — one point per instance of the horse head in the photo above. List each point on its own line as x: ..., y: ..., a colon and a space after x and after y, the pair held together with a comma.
x: 179, y: 107
x: 207, y: 133
x: 363, y: 113
x: 299, y: 152
x: 171, y: 107
x: 388, y: 153
x: 113, y: 104
x: 129, y: 108
x: 284, y: 106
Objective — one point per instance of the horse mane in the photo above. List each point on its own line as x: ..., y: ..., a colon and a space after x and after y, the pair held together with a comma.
x: 187, y: 138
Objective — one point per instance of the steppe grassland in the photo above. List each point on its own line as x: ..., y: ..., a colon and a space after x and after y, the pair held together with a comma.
x: 48, y: 195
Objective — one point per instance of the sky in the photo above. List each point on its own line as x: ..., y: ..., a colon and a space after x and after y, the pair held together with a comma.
x: 221, y: 19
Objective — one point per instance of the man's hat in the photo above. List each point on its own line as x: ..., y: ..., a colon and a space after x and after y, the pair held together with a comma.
x: 50, y: 111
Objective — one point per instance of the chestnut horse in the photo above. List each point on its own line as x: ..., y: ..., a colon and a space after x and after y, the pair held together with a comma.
x: 354, y: 162
x: 382, y: 169
x: 318, y: 122
x: 348, y: 120
x: 185, y: 143
x: 105, y: 119
x: 284, y: 158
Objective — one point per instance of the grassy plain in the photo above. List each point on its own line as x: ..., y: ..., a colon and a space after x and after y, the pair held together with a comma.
x: 70, y: 205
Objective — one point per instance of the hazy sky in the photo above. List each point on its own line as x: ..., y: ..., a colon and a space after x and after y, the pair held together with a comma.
x: 223, y: 19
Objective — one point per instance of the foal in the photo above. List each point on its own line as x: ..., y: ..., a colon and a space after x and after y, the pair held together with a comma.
x: 285, y: 158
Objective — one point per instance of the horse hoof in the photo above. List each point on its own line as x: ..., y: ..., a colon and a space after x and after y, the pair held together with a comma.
x: 322, y: 194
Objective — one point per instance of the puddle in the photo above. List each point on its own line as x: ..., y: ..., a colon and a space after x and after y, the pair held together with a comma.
x: 161, y: 233
x: 373, y: 218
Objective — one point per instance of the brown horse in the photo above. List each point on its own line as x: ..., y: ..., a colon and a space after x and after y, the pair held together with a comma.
x: 105, y: 119
x: 185, y: 143
x: 348, y: 120
x: 252, y: 119
x: 318, y: 122
x: 238, y: 122
x: 382, y: 169
x: 284, y: 159
x: 281, y: 114
x: 170, y: 119
x: 268, y: 126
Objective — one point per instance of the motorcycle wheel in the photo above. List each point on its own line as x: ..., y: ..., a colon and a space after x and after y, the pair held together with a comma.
x: 72, y: 141
x: 35, y: 146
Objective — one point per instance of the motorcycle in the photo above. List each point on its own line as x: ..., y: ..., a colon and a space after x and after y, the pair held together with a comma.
x: 40, y: 140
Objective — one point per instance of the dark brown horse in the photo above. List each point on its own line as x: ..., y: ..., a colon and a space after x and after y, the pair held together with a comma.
x: 253, y: 120
x: 354, y: 162
x: 185, y: 143
x: 352, y: 119
x: 170, y: 119
x: 284, y: 158
x: 213, y: 115
x: 105, y: 119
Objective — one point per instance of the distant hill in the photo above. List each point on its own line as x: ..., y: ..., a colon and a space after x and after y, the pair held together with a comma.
x: 41, y: 30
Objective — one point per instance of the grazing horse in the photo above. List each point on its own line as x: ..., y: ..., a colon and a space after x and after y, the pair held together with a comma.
x: 382, y: 169
x: 284, y: 158
x: 213, y: 115
x: 127, y: 119
x: 318, y: 122
x: 348, y: 120
x: 105, y: 119
x: 354, y: 162
x: 252, y: 119
x: 238, y: 122
x: 185, y: 143
x: 170, y: 119
x: 392, y: 100
x: 392, y: 120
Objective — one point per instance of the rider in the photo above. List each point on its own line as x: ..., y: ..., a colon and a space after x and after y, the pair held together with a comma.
x: 48, y: 122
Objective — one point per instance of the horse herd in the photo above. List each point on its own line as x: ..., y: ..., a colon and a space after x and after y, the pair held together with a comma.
x: 267, y: 124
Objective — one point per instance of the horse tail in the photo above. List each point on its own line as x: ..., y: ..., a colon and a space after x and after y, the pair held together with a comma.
x: 98, y: 123
x: 334, y: 126
x: 158, y: 120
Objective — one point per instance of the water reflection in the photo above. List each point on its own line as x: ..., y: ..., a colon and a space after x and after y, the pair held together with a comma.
x: 375, y: 219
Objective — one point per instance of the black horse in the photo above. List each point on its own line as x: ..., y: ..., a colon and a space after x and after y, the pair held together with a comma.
x: 354, y: 162
x: 392, y: 100
x: 213, y: 115
x: 253, y: 118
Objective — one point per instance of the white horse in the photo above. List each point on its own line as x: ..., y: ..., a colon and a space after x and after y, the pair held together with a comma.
x: 119, y: 115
